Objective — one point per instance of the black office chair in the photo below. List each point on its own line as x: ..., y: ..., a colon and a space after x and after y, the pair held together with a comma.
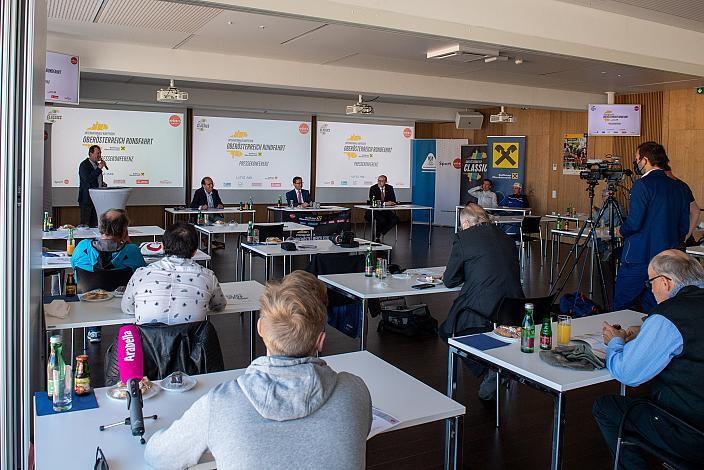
x: 107, y: 279
x: 511, y: 310
x: 530, y: 227
x: 193, y: 348
x: 633, y: 439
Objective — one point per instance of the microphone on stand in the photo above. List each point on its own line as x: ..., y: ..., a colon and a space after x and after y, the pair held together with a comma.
x: 130, y: 361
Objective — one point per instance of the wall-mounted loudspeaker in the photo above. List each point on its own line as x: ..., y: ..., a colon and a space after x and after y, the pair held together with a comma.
x: 469, y: 120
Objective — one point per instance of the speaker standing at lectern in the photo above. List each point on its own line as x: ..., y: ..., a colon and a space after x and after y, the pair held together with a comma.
x: 90, y: 175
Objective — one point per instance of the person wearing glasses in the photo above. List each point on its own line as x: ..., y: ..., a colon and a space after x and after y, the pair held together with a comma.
x: 658, y: 219
x: 667, y: 351
x: 288, y: 410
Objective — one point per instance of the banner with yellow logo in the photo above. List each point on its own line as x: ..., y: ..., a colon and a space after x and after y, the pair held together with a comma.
x: 507, y: 163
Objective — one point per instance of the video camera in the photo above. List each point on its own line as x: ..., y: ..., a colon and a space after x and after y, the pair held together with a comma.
x: 605, y: 170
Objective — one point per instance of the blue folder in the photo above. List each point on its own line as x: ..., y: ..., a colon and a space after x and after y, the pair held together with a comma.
x: 482, y: 342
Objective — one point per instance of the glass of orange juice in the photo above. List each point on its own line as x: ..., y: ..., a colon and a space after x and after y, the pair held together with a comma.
x: 564, y: 329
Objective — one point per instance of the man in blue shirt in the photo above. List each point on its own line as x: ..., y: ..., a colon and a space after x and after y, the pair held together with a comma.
x: 658, y: 219
x: 668, y: 350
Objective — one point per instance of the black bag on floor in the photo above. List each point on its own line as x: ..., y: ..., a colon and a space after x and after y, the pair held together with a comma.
x: 414, y: 320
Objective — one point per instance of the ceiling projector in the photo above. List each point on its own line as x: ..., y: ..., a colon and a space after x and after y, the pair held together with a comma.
x: 502, y: 117
x: 171, y: 94
x: 360, y: 107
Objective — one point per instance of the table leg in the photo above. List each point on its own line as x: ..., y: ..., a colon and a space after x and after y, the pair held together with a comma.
x: 210, y: 244
x: 373, y: 234
x: 623, y: 390
x: 453, y: 426
x: 252, y: 336
x: 362, y: 323
x: 250, y: 266
x: 430, y: 225
x: 410, y: 229
x: 552, y: 256
x: 557, y: 432
x: 266, y: 269
x: 498, y: 402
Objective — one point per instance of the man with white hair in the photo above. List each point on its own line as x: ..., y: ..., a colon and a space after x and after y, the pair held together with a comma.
x: 667, y: 351
x: 484, y: 260
x: 516, y: 199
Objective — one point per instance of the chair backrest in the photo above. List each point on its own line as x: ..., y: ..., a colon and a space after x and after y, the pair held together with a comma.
x: 270, y: 230
x: 193, y: 348
x: 109, y: 279
x: 510, y: 310
x: 530, y: 224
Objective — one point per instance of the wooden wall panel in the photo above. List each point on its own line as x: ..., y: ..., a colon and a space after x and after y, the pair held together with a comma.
x: 651, y: 126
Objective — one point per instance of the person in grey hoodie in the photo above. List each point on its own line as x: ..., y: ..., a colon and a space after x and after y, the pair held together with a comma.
x: 288, y: 410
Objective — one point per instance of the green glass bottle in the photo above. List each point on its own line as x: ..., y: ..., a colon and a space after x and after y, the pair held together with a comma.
x: 528, y: 330
x: 546, y: 334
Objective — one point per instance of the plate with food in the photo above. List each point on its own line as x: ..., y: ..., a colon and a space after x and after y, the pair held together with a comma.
x: 428, y: 279
x: 219, y: 222
x: 511, y: 334
x: 177, y: 382
x: 96, y: 295
x: 119, y: 390
x: 67, y: 227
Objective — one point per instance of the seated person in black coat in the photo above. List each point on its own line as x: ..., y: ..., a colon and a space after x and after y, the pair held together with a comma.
x: 484, y: 260
x: 384, y: 220
x: 206, y: 197
x: 298, y: 196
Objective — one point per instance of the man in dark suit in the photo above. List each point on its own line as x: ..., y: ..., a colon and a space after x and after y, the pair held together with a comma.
x: 206, y: 197
x: 384, y: 220
x: 298, y: 196
x: 658, y: 219
x: 484, y: 260
x: 90, y: 175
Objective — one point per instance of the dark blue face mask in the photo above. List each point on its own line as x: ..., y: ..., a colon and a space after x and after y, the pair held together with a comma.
x: 636, y: 168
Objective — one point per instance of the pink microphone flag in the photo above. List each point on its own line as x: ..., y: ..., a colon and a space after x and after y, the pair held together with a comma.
x: 130, y: 358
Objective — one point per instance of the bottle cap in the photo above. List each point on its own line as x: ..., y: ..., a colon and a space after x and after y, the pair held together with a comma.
x: 529, y: 306
x: 56, y: 339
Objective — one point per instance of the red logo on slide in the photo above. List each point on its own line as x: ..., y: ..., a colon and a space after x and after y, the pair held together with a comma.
x: 66, y: 181
x: 635, y: 108
x: 407, y: 132
x: 142, y: 181
x: 303, y: 128
x: 457, y: 163
x: 175, y: 120
x: 74, y: 60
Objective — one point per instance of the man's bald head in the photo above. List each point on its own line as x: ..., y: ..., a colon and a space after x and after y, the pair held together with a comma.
x: 114, y: 223
x: 673, y: 268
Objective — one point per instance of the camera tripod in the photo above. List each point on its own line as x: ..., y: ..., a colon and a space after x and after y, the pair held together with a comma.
x: 609, y: 206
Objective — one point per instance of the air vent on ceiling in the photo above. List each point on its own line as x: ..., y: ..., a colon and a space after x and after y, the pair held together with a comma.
x: 460, y: 53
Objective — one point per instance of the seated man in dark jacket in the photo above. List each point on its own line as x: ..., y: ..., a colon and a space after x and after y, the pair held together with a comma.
x: 484, y: 260
x: 668, y: 351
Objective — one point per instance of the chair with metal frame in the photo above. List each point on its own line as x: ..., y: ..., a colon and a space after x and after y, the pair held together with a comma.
x: 669, y: 459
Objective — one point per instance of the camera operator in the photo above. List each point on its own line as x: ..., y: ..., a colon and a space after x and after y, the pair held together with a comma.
x: 658, y: 220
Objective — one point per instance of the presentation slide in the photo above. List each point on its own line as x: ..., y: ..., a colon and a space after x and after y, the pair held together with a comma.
x: 614, y: 119
x: 62, y: 78
x: 256, y: 154
x: 351, y: 154
x: 141, y: 149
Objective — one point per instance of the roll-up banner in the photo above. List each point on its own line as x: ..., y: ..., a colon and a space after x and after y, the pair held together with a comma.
x: 447, y: 179
x: 423, y: 177
x: 475, y: 166
x: 506, y: 163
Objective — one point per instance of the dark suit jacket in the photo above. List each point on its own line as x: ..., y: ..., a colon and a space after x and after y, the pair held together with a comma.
x: 376, y: 192
x: 292, y: 196
x: 658, y: 217
x: 485, y: 259
x: 88, y: 178
x: 200, y: 199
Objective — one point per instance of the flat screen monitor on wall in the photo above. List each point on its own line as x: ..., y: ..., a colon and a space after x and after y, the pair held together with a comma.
x: 62, y: 78
x: 250, y: 154
x: 144, y: 150
x: 614, y: 119
x: 351, y: 154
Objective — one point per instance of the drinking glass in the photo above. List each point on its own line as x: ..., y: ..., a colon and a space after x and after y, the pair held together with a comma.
x: 56, y: 284
x: 63, y: 390
x: 564, y: 329
x: 256, y: 235
x: 384, y: 271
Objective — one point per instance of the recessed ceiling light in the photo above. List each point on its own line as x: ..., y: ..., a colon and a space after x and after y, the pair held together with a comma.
x: 261, y: 26
x: 619, y: 75
x: 518, y: 61
x: 229, y: 22
x: 603, y: 72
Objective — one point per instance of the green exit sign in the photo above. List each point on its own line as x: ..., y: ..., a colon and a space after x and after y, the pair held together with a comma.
x: 700, y: 90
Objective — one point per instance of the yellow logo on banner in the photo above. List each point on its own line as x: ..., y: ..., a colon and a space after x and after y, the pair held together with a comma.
x: 239, y: 134
x: 98, y: 126
x: 505, y: 155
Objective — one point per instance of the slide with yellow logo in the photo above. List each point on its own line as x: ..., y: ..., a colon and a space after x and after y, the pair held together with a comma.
x: 353, y: 154
x: 243, y: 153
x: 141, y: 149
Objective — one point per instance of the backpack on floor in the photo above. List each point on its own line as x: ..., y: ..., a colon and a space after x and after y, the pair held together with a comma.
x: 578, y: 305
x: 414, y: 320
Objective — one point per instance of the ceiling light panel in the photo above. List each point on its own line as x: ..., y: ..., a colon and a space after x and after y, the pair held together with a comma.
x: 73, y: 10
x: 156, y: 15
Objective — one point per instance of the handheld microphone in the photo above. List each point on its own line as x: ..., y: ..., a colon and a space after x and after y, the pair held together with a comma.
x: 106, y: 165
x: 130, y: 361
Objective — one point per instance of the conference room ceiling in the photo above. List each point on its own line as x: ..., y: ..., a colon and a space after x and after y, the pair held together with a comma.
x: 198, y: 28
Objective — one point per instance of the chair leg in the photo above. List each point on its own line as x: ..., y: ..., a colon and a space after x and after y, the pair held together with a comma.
x: 618, y: 453
x: 498, y: 407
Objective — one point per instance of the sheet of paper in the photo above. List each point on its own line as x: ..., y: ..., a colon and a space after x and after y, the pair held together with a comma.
x: 381, y: 421
x: 236, y: 299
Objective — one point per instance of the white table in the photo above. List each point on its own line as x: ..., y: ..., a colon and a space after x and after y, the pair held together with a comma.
x: 519, y: 210
x: 55, y: 436
x: 530, y: 369
x: 223, y: 229
x: 304, y: 248
x: 305, y: 210
x: 401, y: 207
x: 174, y: 211
x: 63, y: 261
x: 697, y: 251
x: 241, y: 297
x: 358, y: 286
x: 135, y: 231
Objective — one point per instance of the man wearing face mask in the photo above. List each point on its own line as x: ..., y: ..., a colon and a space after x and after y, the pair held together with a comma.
x: 667, y: 351
x: 658, y: 219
